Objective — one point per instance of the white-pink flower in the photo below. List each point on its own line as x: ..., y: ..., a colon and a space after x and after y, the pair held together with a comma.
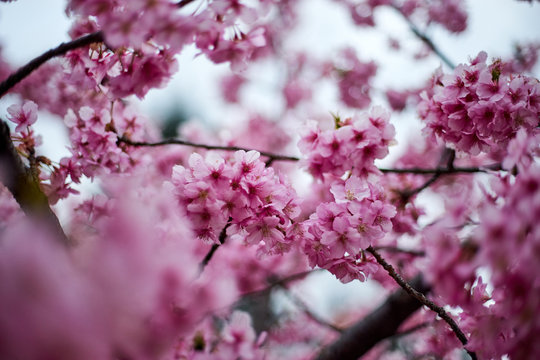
x: 23, y: 115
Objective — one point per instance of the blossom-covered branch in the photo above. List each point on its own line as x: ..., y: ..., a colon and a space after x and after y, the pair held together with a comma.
x: 61, y: 49
x: 210, y: 254
x: 23, y: 184
x: 277, y: 157
x: 421, y: 297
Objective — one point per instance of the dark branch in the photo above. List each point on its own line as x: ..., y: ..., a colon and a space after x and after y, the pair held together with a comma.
x: 309, y: 313
x: 394, y: 249
x: 443, y: 170
x: 411, y: 330
x: 210, y: 254
x: 183, y: 3
x: 409, y: 193
x: 63, y: 48
x: 421, y: 297
x: 382, y: 323
x: 275, y: 157
x: 204, y: 146
x: 23, y: 184
x: 280, y: 282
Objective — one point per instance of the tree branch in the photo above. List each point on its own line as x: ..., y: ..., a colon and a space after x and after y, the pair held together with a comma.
x: 183, y: 3
x: 63, y: 48
x: 411, y: 330
x: 23, y: 184
x: 204, y: 146
x: 309, y: 313
x: 425, y: 39
x: 382, y: 323
x: 409, y: 193
x: 421, y: 297
x: 394, y: 249
x: 210, y: 254
x: 443, y: 170
x: 275, y: 157
x: 280, y: 282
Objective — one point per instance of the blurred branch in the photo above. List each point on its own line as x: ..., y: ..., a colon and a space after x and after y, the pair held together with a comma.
x: 407, y: 194
x: 23, y: 183
x: 306, y: 310
x: 411, y: 330
x: 394, y: 249
x: 380, y: 324
x: 425, y: 39
x: 280, y: 282
x: 421, y: 297
x: 63, y: 48
x: 183, y: 3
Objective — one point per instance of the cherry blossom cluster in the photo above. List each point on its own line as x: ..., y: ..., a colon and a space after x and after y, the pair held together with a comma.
x: 352, y: 146
x: 258, y: 205
x: 509, y: 243
x: 479, y: 109
x: 130, y: 284
x: 339, y: 232
x: 95, y: 149
x: 128, y: 289
x: 234, y: 339
x: 94, y: 142
x: 214, y: 27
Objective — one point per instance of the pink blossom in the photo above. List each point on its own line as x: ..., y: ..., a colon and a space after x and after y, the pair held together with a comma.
x: 230, y: 87
x: 479, y: 109
x: 23, y: 115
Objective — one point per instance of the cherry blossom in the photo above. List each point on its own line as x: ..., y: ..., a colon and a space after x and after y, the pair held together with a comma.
x: 150, y: 247
x: 23, y: 115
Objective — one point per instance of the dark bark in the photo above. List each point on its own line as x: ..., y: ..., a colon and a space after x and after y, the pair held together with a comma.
x: 61, y: 49
x: 379, y: 325
x: 24, y: 185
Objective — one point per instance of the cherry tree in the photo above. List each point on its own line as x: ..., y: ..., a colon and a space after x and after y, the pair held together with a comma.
x: 181, y: 250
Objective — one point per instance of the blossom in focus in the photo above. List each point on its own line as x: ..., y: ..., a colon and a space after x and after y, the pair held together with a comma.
x: 23, y: 115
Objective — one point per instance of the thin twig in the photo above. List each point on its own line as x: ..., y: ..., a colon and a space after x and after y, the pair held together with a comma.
x: 425, y: 39
x: 61, y: 49
x: 408, y: 194
x: 305, y: 308
x: 210, y: 254
x: 443, y: 170
x: 411, y: 330
x: 421, y: 297
x: 204, y: 146
x: 280, y: 282
x: 394, y: 249
x: 183, y: 3
x: 276, y: 157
